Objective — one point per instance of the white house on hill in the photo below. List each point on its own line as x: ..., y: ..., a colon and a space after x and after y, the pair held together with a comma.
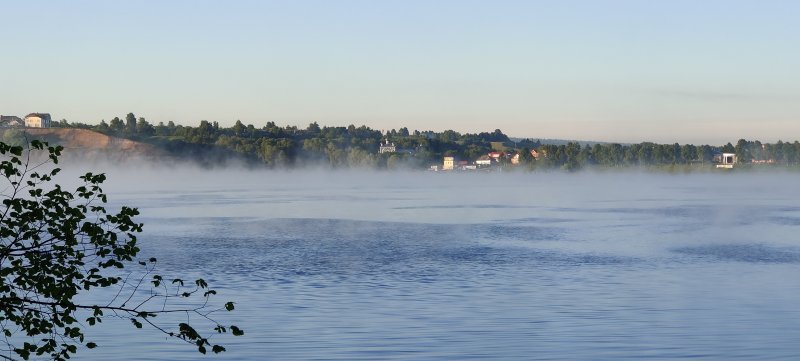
x: 37, y: 120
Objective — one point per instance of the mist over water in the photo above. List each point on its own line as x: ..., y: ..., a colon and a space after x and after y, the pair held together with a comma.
x: 424, y: 266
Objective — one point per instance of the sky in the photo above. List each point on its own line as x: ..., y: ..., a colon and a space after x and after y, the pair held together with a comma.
x: 687, y: 71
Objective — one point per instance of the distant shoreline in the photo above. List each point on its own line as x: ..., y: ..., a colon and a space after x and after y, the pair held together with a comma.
x: 273, y: 147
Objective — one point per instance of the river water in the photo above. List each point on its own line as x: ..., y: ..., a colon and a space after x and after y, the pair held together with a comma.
x: 391, y: 266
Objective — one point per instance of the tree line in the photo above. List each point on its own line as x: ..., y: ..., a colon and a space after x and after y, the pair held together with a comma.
x: 573, y: 156
x: 357, y: 147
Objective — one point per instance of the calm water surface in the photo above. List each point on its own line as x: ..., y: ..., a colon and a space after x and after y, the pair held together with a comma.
x: 448, y: 267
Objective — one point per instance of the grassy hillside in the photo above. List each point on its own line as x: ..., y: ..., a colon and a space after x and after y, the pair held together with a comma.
x: 86, y: 144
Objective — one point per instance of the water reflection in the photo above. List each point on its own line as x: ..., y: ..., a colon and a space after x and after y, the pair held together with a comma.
x: 649, y: 268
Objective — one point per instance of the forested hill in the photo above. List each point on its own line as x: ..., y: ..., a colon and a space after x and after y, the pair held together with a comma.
x: 362, y: 147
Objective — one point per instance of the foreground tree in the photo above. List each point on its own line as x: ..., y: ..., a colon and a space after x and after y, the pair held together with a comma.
x: 55, y: 245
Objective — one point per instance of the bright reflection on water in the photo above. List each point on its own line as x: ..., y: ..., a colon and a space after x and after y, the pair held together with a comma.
x: 448, y: 267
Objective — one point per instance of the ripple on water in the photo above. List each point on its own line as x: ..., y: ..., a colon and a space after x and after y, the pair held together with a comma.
x: 753, y: 253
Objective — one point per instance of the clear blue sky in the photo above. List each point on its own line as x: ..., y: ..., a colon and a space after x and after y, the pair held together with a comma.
x: 699, y: 71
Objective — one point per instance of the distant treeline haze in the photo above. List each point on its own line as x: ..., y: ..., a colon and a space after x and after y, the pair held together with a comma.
x: 358, y: 147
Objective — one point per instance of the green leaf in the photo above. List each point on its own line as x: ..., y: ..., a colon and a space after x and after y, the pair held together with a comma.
x: 25, y: 354
x: 136, y: 323
x: 236, y: 331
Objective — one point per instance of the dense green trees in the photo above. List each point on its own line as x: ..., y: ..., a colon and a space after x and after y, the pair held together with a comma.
x: 785, y: 153
x: 56, y: 245
x: 351, y: 146
x: 144, y: 128
x: 116, y: 126
x: 570, y: 156
x: 130, y: 124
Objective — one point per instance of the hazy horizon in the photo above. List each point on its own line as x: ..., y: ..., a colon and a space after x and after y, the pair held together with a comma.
x: 617, y: 71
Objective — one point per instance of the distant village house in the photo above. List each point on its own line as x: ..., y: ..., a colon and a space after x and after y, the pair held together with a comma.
x: 387, y: 147
x: 449, y: 163
x: 725, y: 160
x: 10, y: 121
x: 484, y: 160
x: 37, y: 120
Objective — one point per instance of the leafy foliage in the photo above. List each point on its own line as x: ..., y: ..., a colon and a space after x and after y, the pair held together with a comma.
x: 56, y: 244
x: 357, y: 147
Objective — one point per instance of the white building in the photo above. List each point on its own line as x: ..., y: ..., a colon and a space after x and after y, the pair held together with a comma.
x: 449, y: 163
x: 387, y: 147
x: 37, y: 120
x: 727, y: 160
x: 484, y: 161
